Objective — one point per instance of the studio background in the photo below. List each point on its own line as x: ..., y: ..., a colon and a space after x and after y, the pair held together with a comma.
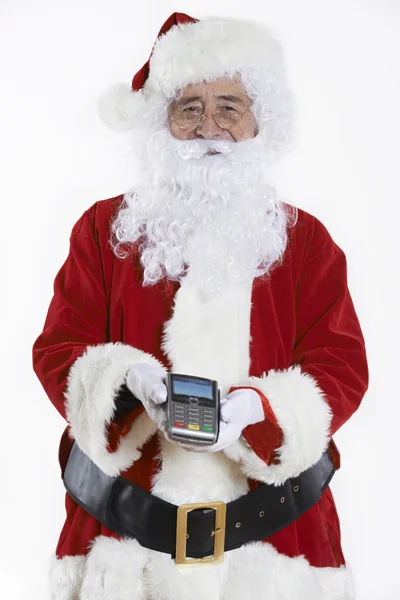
x: 57, y: 159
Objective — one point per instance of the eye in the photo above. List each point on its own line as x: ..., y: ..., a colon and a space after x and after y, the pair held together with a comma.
x: 192, y: 109
x: 228, y: 108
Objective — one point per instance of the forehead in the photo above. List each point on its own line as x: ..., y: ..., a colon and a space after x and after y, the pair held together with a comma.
x: 221, y: 86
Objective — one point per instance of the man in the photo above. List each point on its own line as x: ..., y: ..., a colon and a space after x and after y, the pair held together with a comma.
x: 202, y: 270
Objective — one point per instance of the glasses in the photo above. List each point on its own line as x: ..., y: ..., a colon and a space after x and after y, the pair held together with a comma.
x: 191, y: 117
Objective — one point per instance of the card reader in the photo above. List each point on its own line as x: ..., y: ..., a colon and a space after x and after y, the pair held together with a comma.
x: 193, y: 409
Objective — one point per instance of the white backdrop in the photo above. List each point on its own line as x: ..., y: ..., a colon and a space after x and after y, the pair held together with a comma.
x: 57, y: 159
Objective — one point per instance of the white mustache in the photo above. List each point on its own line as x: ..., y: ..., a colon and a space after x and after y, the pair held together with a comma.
x: 195, y: 149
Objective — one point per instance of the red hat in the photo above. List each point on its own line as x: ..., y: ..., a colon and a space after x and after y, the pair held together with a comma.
x: 175, y: 19
x: 186, y: 51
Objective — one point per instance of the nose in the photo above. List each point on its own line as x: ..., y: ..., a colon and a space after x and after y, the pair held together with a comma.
x: 208, y: 128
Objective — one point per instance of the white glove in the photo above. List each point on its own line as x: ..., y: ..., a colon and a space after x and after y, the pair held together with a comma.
x: 146, y: 382
x: 239, y: 409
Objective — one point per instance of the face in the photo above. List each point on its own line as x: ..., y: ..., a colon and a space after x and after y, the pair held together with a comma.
x: 223, y: 98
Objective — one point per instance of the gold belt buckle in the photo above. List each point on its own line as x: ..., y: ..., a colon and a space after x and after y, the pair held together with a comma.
x: 218, y: 534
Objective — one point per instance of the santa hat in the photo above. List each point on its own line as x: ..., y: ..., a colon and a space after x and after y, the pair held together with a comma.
x: 190, y: 51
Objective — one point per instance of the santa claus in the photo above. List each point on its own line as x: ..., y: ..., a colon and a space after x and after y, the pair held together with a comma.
x: 201, y: 269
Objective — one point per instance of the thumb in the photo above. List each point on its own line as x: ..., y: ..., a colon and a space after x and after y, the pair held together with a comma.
x: 159, y: 394
x: 229, y: 412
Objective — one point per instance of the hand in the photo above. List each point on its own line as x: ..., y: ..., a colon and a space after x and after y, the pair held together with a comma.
x: 146, y: 382
x: 239, y: 409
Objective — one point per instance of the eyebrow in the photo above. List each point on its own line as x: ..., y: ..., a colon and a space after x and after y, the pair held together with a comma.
x: 230, y: 98
x: 227, y: 97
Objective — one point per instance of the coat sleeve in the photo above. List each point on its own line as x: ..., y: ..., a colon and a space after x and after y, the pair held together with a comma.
x: 326, y: 380
x: 81, y: 371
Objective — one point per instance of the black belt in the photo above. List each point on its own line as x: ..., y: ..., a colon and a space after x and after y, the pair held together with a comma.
x: 190, y: 530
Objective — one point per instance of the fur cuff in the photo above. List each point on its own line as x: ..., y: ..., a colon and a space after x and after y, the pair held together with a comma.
x: 93, y: 383
x: 304, y: 417
x: 66, y: 576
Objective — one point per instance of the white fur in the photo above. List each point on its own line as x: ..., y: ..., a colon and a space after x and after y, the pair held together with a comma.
x: 209, y: 337
x: 93, y: 383
x: 118, y: 106
x: 65, y: 577
x: 114, y: 570
x: 123, y: 570
x: 187, y: 477
x: 304, y: 417
x: 273, y: 576
x: 208, y: 49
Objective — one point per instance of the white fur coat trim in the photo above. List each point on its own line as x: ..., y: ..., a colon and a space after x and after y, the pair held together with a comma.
x: 304, y: 417
x: 207, y: 337
x: 93, y: 383
x: 210, y: 337
x: 66, y: 576
x: 124, y: 570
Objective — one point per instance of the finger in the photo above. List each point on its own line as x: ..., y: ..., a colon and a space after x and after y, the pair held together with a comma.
x: 155, y: 411
x: 228, y: 411
x: 160, y: 394
x: 222, y: 428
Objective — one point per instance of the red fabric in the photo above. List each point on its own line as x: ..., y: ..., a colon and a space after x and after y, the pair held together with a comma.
x: 301, y: 314
x: 120, y: 427
x: 271, y: 436
x: 175, y: 19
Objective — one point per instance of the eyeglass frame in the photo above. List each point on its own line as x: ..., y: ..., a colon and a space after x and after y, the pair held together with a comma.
x: 204, y: 116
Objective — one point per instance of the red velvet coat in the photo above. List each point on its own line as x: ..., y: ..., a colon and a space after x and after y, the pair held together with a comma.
x: 302, y: 315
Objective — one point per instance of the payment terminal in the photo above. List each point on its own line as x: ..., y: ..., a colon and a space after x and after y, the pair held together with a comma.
x: 192, y: 409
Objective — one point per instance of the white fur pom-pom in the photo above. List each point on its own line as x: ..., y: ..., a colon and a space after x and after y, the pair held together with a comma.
x: 118, y: 105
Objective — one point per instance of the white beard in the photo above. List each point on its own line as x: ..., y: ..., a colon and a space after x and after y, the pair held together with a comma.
x: 215, y: 214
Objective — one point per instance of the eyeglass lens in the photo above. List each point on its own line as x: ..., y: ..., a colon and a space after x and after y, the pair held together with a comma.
x: 225, y: 117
